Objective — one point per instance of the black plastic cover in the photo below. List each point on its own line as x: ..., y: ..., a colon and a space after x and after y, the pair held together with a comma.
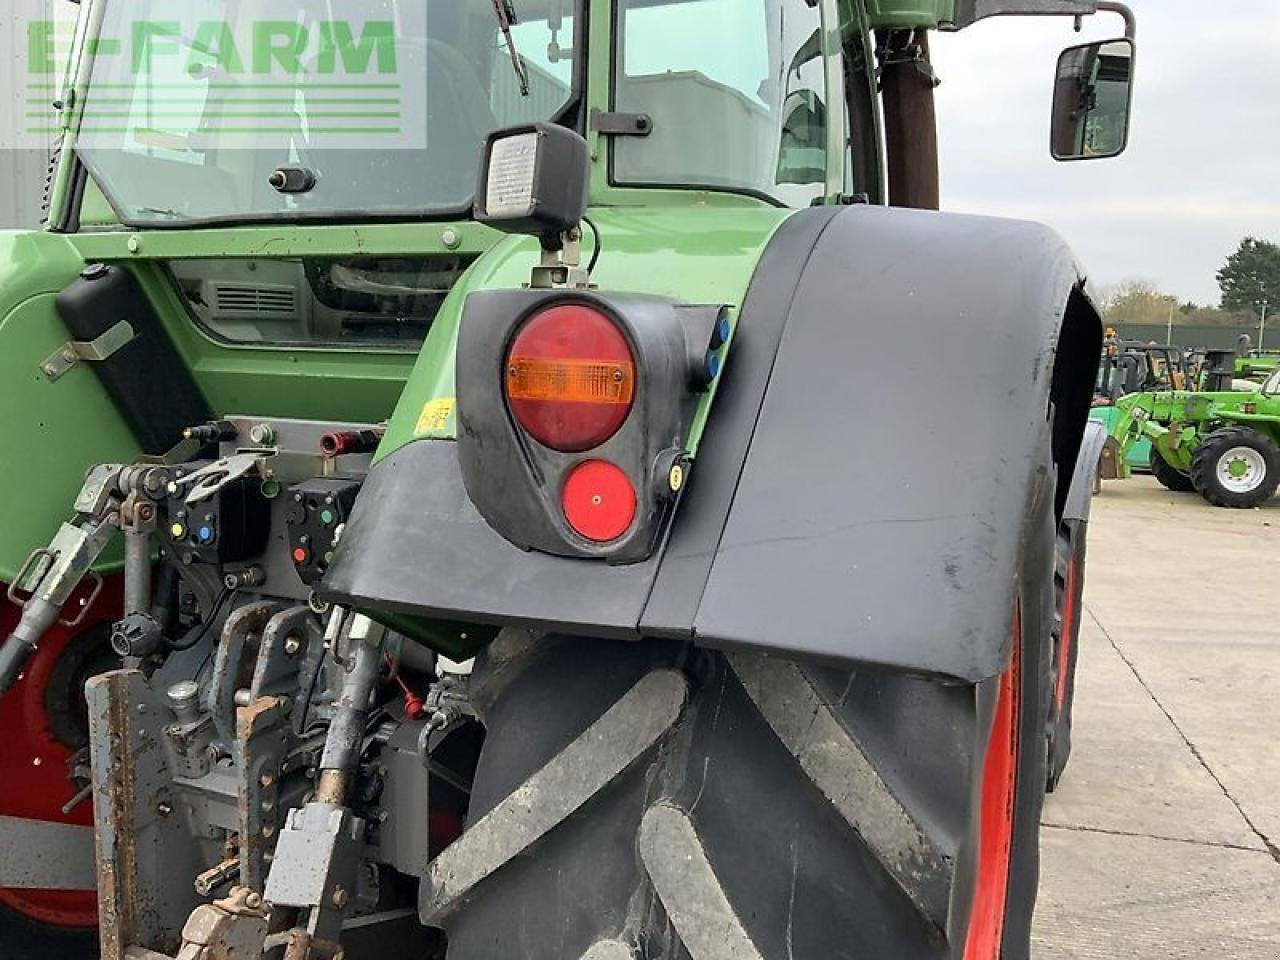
x: 861, y: 490
x: 514, y: 481
x: 146, y: 378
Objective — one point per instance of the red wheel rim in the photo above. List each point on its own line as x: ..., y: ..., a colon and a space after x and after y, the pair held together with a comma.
x: 1070, y: 610
x: 999, y: 793
x: 35, y: 758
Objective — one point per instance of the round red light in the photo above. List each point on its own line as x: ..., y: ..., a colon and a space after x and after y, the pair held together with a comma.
x: 599, y: 501
x: 570, y: 378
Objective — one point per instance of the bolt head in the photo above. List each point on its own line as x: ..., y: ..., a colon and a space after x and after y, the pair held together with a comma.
x: 253, y: 901
x: 292, y: 645
x: 340, y: 897
x: 675, y: 479
x: 164, y: 809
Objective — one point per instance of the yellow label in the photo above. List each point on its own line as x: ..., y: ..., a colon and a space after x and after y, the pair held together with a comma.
x: 435, y: 416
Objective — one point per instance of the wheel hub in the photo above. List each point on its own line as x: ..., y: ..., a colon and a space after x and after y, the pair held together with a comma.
x: 1242, y: 469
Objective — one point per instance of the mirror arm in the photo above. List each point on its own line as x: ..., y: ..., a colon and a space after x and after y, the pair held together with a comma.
x: 969, y: 12
x: 1130, y: 21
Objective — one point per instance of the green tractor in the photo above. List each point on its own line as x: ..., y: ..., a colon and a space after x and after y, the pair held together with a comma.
x: 1222, y: 444
x: 447, y: 511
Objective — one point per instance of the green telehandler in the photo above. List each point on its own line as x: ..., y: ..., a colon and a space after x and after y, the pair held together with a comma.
x: 445, y: 511
x: 1133, y: 366
x: 1223, y: 444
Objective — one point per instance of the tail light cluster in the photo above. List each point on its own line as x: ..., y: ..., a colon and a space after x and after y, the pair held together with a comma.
x: 571, y: 378
x: 577, y: 446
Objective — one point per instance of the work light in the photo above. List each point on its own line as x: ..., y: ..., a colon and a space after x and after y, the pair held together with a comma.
x: 533, y: 180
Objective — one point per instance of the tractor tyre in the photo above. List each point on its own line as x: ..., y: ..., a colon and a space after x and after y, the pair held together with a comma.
x: 1069, y: 587
x: 44, y: 724
x: 1170, y: 477
x: 656, y: 801
x: 1236, y: 467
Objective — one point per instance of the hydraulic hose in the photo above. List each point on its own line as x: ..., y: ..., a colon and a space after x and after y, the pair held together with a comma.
x: 38, y: 615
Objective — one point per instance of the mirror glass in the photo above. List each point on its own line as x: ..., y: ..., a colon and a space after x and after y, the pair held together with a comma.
x: 1092, y: 94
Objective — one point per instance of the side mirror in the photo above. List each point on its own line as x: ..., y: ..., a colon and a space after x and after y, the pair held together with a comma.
x: 1092, y: 96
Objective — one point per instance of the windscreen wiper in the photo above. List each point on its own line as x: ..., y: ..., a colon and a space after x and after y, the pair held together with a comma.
x: 505, y: 11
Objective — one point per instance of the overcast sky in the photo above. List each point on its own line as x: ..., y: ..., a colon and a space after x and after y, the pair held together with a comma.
x: 1203, y: 165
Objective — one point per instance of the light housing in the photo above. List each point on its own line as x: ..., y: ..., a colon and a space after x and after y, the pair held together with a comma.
x: 574, y: 409
x: 533, y: 180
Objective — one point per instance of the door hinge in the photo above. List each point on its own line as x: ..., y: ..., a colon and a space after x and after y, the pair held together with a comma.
x: 621, y: 124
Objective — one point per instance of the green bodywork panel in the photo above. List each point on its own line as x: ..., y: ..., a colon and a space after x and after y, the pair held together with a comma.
x: 1175, y: 422
x: 909, y: 14
x: 53, y: 431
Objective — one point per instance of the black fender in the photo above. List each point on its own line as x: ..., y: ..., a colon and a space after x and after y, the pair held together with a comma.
x: 1084, y: 478
x: 831, y: 512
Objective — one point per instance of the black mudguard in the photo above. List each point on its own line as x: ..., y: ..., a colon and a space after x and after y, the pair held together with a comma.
x: 1085, y: 478
x: 861, y: 489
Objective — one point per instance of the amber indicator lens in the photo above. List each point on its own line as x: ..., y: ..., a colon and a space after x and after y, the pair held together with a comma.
x: 570, y: 378
x: 573, y: 381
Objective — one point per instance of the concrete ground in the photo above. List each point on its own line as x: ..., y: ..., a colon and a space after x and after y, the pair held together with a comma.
x: 1163, y: 840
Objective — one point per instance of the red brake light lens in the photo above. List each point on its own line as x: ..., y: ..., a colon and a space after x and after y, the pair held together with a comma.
x: 570, y: 378
x: 599, y: 501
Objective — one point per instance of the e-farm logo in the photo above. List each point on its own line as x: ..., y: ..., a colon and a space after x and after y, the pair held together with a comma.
x: 266, y: 74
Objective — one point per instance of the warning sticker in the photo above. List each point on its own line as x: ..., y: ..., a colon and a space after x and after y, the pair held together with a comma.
x: 435, y: 417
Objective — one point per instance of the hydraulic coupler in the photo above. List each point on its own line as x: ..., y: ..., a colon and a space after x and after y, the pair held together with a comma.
x: 51, y: 574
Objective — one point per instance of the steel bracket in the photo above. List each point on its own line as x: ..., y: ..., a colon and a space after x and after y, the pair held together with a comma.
x: 74, y: 352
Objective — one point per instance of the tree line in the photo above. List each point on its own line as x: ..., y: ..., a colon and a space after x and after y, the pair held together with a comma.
x: 1249, y: 282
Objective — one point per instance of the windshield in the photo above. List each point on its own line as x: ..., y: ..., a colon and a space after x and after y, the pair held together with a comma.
x: 373, y: 107
x: 737, y: 94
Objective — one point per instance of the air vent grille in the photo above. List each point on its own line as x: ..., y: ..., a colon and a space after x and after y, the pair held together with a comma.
x: 255, y: 300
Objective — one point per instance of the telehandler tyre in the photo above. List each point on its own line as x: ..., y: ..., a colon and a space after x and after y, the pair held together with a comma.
x: 1170, y: 477
x: 1236, y: 467
x: 654, y: 800
x: 1069, y: 584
